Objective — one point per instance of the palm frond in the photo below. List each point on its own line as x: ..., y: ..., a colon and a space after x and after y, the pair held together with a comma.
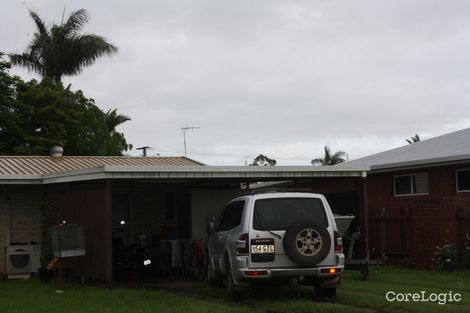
x: 39, y: 23
x: 86, y: 49
x: 27, y: 61
x: 113, y: 119
x: 317, y: 161
x: 413, y: 139
x: 75, y: 22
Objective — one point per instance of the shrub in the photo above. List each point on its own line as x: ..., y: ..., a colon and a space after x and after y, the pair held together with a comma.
x: 446, y: 257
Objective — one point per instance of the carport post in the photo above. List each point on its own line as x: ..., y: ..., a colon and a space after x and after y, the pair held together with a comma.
x: 107, y: 210
x: 364, y: 216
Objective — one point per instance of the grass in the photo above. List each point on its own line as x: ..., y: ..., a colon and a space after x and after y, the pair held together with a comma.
x: 354, y: 296
x: 371, y: 294
x: 34, y: 296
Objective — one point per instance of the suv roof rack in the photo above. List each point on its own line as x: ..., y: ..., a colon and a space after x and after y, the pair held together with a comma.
x: 273, y: 190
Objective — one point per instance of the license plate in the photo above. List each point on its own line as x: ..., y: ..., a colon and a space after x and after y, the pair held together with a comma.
x: 262, y: 249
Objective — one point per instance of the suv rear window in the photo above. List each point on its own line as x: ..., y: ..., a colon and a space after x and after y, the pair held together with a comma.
x: 279, y: 213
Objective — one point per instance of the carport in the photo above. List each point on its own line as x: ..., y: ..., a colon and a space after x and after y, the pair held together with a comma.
x: 151, y: 196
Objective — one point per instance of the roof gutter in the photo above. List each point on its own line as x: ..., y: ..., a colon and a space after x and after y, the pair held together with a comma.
x: 200, y: 172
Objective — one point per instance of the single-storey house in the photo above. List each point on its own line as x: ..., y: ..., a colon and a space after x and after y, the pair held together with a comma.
x: 418, y: 197
x: 120, y: 197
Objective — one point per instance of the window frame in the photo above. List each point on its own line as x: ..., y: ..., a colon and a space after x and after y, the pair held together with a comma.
x: 457, y: 179
x: 412, y: 185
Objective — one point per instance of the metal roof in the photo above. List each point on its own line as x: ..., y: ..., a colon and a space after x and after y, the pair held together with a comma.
x: 158, y: 170
x: 38, y: 165
x: 449, y: 148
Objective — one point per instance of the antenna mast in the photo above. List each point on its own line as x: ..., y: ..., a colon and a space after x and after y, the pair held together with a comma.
x: 144, y: 150
x: 184, y: 129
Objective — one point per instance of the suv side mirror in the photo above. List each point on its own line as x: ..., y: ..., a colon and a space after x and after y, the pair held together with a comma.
x: 211, y: 226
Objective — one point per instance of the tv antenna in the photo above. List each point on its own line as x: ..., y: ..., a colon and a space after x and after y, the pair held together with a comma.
x: 184, y: 129
x: 144, y: 150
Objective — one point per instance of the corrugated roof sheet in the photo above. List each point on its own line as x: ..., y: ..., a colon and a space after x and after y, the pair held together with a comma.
x: 37, y: 165
x: 449, y: 147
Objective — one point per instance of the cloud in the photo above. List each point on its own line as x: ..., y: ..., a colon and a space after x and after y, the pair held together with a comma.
x: 273, y: 77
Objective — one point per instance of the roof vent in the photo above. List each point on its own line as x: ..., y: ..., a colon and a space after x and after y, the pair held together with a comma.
x: 56, y: 151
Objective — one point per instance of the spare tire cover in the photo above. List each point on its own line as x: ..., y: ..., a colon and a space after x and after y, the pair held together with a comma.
x: 307, y: 243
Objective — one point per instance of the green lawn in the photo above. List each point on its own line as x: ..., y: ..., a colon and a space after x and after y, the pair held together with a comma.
x: 34, y: 296
x: 354, y: 296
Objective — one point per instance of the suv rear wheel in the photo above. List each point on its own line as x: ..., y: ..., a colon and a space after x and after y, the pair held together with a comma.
x: 234, y: 292
x: 213, y: 278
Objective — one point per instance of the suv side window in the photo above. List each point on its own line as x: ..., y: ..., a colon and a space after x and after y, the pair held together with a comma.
x: 231, y: 216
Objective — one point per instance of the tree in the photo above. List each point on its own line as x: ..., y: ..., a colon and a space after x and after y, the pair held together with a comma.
x: 61, y: 49
x: 116, y: 140
x: 9, y: 119
x: 262, y: 160
x: 330, y: 159
x: 413, y: 139
x: 35, y: 116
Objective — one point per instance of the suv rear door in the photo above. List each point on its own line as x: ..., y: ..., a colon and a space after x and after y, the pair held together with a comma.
x: 272, y: 215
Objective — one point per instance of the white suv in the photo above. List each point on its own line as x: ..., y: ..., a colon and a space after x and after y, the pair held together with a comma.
x: 275, y: 235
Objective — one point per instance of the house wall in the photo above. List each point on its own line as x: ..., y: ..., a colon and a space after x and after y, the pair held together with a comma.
x: 410, y: 227
x: 329, y: 185
x: 88, y: 204
x: 205, y: 204
x: 20, y: 217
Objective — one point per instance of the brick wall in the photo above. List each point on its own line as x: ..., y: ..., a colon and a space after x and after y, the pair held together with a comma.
x: 20, y: 216
x: 433, y: 217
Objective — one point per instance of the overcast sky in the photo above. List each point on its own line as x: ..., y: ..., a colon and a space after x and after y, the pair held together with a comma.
x: 282, y: 78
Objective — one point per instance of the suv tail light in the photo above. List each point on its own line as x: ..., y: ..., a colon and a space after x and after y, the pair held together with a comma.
x: 338, y: 242
x: 243, y: 244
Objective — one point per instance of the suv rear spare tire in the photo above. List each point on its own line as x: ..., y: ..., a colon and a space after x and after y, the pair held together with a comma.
x: 307, y: 243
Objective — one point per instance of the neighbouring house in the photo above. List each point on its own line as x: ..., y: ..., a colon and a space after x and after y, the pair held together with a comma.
x: 418, y: 196
x: 167, y: 198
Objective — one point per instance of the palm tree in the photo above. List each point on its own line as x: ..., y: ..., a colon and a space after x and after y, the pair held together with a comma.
x: 413, y: 139
x: 329, y: 159
x: 61, y: 49
x: 117, y: 143
x: 113, y: 119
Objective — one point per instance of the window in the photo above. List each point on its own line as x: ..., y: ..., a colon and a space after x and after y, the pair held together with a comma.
x: 414, y: 184
x: 463, y: 180
x: 279, y: 213
x: 231, y: 216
